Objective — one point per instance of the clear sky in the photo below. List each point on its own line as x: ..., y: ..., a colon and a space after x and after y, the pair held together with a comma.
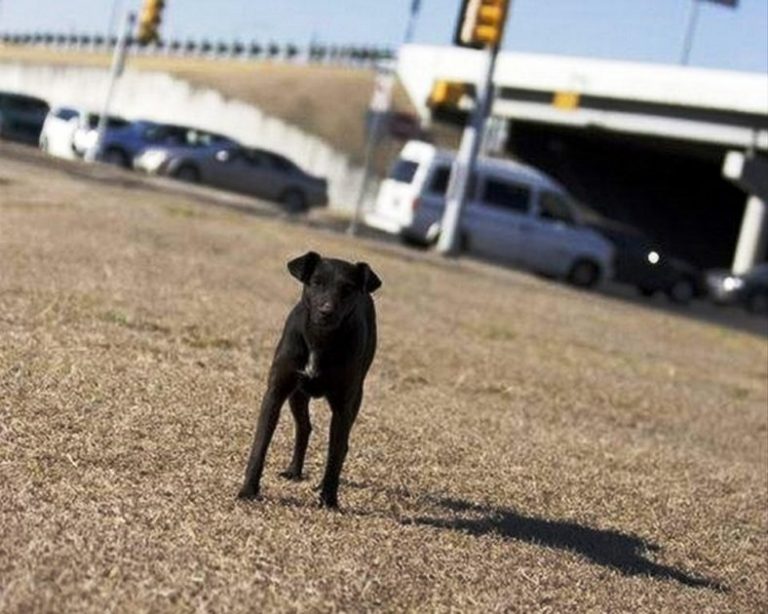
x: 643, y: 30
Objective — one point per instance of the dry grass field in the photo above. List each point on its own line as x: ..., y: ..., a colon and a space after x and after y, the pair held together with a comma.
x: 523, y: 447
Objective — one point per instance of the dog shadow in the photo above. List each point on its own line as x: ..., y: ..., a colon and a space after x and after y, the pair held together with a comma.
x: 627, y: 554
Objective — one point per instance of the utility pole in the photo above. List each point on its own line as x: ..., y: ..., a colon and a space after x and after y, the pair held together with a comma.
x: 118, y: 64
x: 693, y: 18
x: 414, y: 14
x: 690, y: 30
x: 379, y: 110
x: 114, y: 13
x: 480, y: 26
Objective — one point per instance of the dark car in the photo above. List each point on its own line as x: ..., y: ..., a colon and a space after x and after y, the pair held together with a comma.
x: 640, y: 262
x: 257, y: 172
x: 21, y: 117
x: 749, y: 290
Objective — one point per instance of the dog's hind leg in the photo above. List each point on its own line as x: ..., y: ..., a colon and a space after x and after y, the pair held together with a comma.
x: 299, y: 403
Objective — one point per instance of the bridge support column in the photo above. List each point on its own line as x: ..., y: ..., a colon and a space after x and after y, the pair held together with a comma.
x: 753, y: 237
x: 750, y: 173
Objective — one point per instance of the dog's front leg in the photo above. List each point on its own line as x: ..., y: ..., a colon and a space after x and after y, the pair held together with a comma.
x: 299, y: 403
x: 344, y: 411
x: 278, y: 391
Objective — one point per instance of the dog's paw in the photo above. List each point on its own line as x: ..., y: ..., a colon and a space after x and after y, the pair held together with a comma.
x: 248, y: 493
x: 329, y: 502
x: 292, y: 475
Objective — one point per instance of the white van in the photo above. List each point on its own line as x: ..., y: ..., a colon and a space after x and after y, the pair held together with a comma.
x: 514, y: 214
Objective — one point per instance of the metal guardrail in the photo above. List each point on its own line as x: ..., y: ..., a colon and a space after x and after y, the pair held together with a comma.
x: 215, y: 50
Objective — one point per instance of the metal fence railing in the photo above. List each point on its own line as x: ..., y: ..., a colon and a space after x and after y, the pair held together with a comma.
x: 351, y: 55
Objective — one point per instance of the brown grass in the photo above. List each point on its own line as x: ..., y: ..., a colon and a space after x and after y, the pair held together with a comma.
x: 522, y: 446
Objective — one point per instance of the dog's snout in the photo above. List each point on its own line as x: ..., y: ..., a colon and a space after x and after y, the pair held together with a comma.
x: 326, y: 307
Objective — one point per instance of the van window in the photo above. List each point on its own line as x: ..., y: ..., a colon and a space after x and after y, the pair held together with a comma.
x: 506, y: 195
x: 438, y: 184
x: 403, y: 171
x: 441, y: 177
x: 555, y: 207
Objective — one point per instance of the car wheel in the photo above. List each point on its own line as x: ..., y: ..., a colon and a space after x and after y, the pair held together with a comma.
x: 414, y: 241
x: 646, y: 292
x: 294, y: 201
x: 116, y: 157
x: 757, y: 302
x: 682, y: 291
x: 187, y: 173
x: 584, y: 274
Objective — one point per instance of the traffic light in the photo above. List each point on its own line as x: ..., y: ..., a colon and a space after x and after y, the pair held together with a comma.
x: 149, y: 21
x: 452, y: 101
x: 481, y: 23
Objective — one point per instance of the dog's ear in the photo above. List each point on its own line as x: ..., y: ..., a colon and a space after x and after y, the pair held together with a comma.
x: 369, y: 281
x: 301, y: 268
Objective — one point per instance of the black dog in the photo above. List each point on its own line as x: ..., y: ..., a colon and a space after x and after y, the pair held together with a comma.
x: 326, y: 349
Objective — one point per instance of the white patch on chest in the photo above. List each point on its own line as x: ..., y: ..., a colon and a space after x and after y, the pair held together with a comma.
x: 311, y: 369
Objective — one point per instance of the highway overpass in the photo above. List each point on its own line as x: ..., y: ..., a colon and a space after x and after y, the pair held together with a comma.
x: 643, y: 143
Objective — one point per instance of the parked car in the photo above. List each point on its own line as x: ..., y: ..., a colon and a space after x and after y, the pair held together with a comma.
x: 514, y: 214
x: 123, y: 139
x: 241, y: 169
x: 640, y: 262
x: 57, y: 134
x: 69, y: 132
x: 21, y: 117
x: 749, y: 290
x: 168, y: 141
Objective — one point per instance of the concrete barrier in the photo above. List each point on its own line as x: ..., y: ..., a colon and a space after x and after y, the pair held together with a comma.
x: 162, y: 97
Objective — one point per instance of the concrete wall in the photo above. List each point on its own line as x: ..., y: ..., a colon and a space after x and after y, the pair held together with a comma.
x: 161, y: 97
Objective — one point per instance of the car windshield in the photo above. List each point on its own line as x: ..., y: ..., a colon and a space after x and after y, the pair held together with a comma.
x: 65, y: 113
x: 281, y: 163
x: 555, y: 206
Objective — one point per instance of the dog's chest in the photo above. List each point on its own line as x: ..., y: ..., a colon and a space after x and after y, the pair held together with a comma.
x: 313, y: 379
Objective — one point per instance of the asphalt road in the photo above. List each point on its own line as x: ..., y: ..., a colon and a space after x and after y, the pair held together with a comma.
x: 332, y: 221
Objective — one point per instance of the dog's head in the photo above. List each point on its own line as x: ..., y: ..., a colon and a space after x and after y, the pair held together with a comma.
x: 332, y: 288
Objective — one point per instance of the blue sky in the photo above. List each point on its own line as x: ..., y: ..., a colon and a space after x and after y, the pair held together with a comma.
x: 642, y: 30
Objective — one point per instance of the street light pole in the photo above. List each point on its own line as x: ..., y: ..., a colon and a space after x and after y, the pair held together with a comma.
x: 114, y: 12
x: 118, y: 63
x: 381, y: 102
x: 693, y: 18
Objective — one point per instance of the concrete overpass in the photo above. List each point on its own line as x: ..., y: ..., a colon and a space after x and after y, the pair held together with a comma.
x: 644, y: 143
x: 691, y: 104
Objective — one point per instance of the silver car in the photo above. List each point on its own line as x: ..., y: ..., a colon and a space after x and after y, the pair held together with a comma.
x: 241, y: 169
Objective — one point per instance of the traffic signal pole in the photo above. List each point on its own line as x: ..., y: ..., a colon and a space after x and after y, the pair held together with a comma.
x: 464, y: 164
x: 118, y: 63
x: 480, y: 26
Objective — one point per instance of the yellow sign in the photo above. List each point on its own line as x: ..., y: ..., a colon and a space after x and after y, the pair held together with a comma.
x: 566, y: 101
